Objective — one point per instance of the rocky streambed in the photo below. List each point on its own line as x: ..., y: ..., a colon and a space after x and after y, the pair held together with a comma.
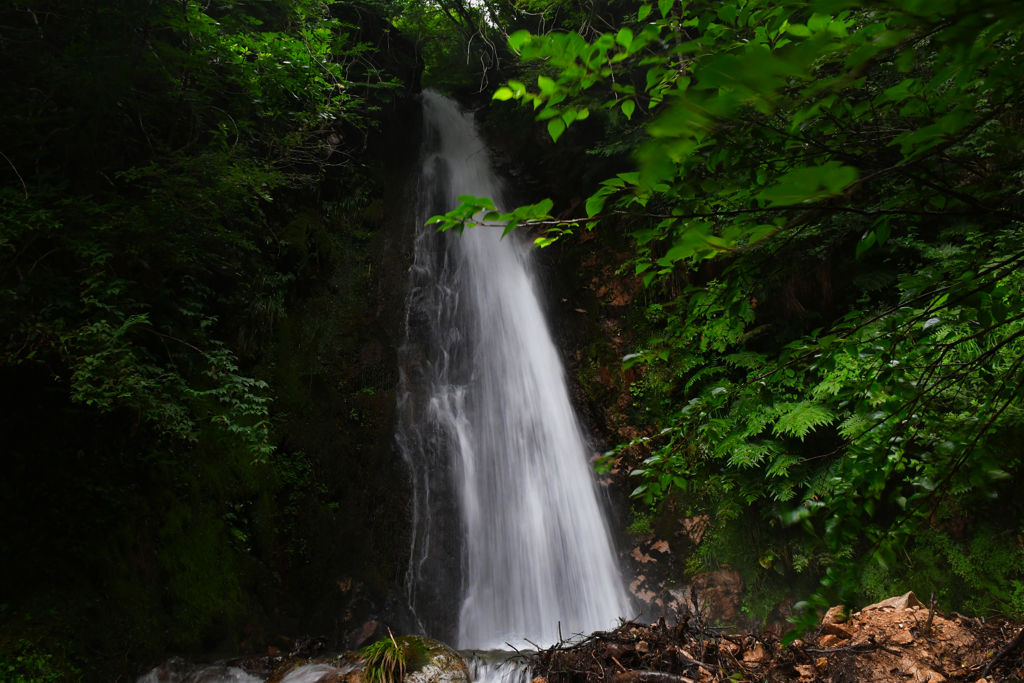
x: 899, y: 639
x: 426, y: 661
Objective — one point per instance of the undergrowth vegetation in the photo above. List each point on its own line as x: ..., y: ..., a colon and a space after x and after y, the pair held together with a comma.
x: 22, y: 662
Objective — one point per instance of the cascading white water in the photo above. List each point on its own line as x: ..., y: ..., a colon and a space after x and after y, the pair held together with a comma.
x: 486, y: 419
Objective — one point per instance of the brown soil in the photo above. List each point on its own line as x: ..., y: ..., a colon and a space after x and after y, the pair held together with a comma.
x: 884, y: 642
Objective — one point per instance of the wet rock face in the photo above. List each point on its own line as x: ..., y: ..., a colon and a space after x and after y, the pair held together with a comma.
x: 721, y: 590
x: 429, y: 661
x: 715, y: 594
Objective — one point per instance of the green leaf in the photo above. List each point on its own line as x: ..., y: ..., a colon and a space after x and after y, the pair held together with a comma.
x: 818, y: 22
x: 624, y: 37
x: 865, y: 243
x: 810, y: 184
x: 517, y: 40
x: 627, y: 108
x: 503, y: 94
x: 555, y: 128
x: 882, y: 232
x: 594, y: 205
x: 884, y: 367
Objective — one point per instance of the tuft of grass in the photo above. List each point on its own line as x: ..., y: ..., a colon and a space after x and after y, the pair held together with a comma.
x: 385, y: 661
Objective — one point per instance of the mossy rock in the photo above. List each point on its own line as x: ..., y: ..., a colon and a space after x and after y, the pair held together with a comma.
x: 428, y: 661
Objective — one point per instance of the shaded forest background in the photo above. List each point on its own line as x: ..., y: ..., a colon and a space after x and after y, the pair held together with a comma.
x: 783, y: 238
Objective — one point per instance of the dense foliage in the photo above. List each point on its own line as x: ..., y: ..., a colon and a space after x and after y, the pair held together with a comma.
x: 182, y: 187
x: 826, y: 214
x: 145, y: 145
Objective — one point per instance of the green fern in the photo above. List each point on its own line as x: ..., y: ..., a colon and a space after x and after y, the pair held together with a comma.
x: 855, y: 426
x: 822, y: 481
x: 750, y: 453
x: 781, y: 464
x: 802, y: 418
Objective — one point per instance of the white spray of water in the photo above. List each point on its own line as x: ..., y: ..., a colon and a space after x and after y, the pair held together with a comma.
x: 309, y: 673
x: 497, y: 667
x: 536, y: 553
x: 178, y: 671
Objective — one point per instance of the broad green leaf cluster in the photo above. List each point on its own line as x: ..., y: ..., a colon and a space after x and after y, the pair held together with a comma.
x: 481, y: 211
x: 826, y: 215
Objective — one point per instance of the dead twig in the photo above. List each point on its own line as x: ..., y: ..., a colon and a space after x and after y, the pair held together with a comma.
x: 861, y: 647
x: 24, y: 187
x: 649, y: 677
x: 1010, y: 647
x: 931, y: 615
x: 592, y: 656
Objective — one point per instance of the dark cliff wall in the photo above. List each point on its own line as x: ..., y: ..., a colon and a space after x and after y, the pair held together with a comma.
x: 334, y: 367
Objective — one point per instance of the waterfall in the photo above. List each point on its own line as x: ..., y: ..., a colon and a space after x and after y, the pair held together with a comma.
x: 509, y: 542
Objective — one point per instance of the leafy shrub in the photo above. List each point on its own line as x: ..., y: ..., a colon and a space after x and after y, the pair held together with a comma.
x: 26, y: 664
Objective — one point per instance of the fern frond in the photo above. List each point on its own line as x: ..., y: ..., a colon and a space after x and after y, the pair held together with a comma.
x: 746, y: 359
x: 781, y: 464
x: 744, y: 453
x: 802, y: 418
x: 823, y: 481
x: 855, y: 425
x: 704, y: 373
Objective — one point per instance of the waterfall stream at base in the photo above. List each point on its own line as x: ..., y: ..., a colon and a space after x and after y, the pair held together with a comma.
x: 487, y: 421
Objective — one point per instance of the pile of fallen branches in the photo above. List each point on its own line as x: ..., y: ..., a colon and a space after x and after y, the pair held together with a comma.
x: 689, y: 650
x: 898, y: 639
